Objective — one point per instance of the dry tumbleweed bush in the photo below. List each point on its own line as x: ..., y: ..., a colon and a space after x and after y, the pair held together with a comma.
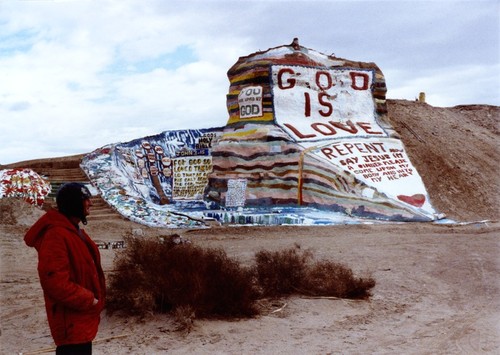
x: 162, y: 275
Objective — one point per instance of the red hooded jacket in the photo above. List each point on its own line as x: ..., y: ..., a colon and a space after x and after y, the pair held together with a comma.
x: 69, y: 267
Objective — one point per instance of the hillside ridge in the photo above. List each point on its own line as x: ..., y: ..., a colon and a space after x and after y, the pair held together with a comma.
x: 454, y: 149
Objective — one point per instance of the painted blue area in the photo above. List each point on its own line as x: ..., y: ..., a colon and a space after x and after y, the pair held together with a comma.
x: 123, y: 174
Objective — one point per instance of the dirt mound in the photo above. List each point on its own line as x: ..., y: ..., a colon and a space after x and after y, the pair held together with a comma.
x: 455, y: 150
x: 15, y: 211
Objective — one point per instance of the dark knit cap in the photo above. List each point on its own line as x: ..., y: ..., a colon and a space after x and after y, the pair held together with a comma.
x: 69, y: 199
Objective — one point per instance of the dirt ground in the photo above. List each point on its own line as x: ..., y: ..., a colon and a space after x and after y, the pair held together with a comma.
x: 437, y: 292
x: 437, y: 286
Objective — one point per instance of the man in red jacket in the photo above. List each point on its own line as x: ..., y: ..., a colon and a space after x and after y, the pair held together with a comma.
x: 69, y: 267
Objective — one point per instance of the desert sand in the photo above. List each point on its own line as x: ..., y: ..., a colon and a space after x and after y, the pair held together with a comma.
x: 436, y: 292
x: 437, y: 285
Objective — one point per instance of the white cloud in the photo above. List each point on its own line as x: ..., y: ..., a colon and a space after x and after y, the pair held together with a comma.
x: 452, y: 86
x: 76, y: 75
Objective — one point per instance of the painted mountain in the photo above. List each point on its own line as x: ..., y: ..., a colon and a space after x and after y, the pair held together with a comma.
x: 307, y: 142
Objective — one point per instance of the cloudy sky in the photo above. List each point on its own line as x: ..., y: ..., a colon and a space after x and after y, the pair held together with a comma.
x: 79, y: 74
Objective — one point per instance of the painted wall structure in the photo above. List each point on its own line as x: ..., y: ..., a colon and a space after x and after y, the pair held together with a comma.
x: 307, y: 142
x: 25, y: 184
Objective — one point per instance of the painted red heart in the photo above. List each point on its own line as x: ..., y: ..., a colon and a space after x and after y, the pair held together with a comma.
x: 417, y: 200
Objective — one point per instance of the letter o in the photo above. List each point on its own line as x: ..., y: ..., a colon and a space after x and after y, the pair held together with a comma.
x: 330, y: 131
x: 321, y: 73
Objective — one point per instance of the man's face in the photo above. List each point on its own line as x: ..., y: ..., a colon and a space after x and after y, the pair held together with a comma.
x: 86, y: 206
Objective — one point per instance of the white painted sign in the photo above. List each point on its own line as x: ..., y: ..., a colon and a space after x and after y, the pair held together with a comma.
x: 236, y: 192
x: 250, y: 102
x: 382, y: 164
x: 314, y: 104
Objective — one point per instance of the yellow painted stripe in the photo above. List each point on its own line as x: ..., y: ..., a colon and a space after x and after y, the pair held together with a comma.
x: 239, y: 134
x: 250, y: 74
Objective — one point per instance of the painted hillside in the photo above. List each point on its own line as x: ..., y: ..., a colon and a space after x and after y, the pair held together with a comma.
x: 306, y: 129
x: 465, y: 187
x: 310, y: 139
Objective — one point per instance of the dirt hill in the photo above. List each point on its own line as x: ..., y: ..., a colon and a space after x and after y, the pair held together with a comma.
x: 454, y: 149
x: 456, y: 152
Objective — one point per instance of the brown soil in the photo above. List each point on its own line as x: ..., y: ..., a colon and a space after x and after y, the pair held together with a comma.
x: 455, y: 150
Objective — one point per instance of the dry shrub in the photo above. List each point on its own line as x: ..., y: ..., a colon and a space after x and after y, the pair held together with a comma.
x: 184, y: 318
x: 160, y: 276
x: 292, y: 271
x: 281, y: 272
x: 327, y: 278
x: 131, y: 288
